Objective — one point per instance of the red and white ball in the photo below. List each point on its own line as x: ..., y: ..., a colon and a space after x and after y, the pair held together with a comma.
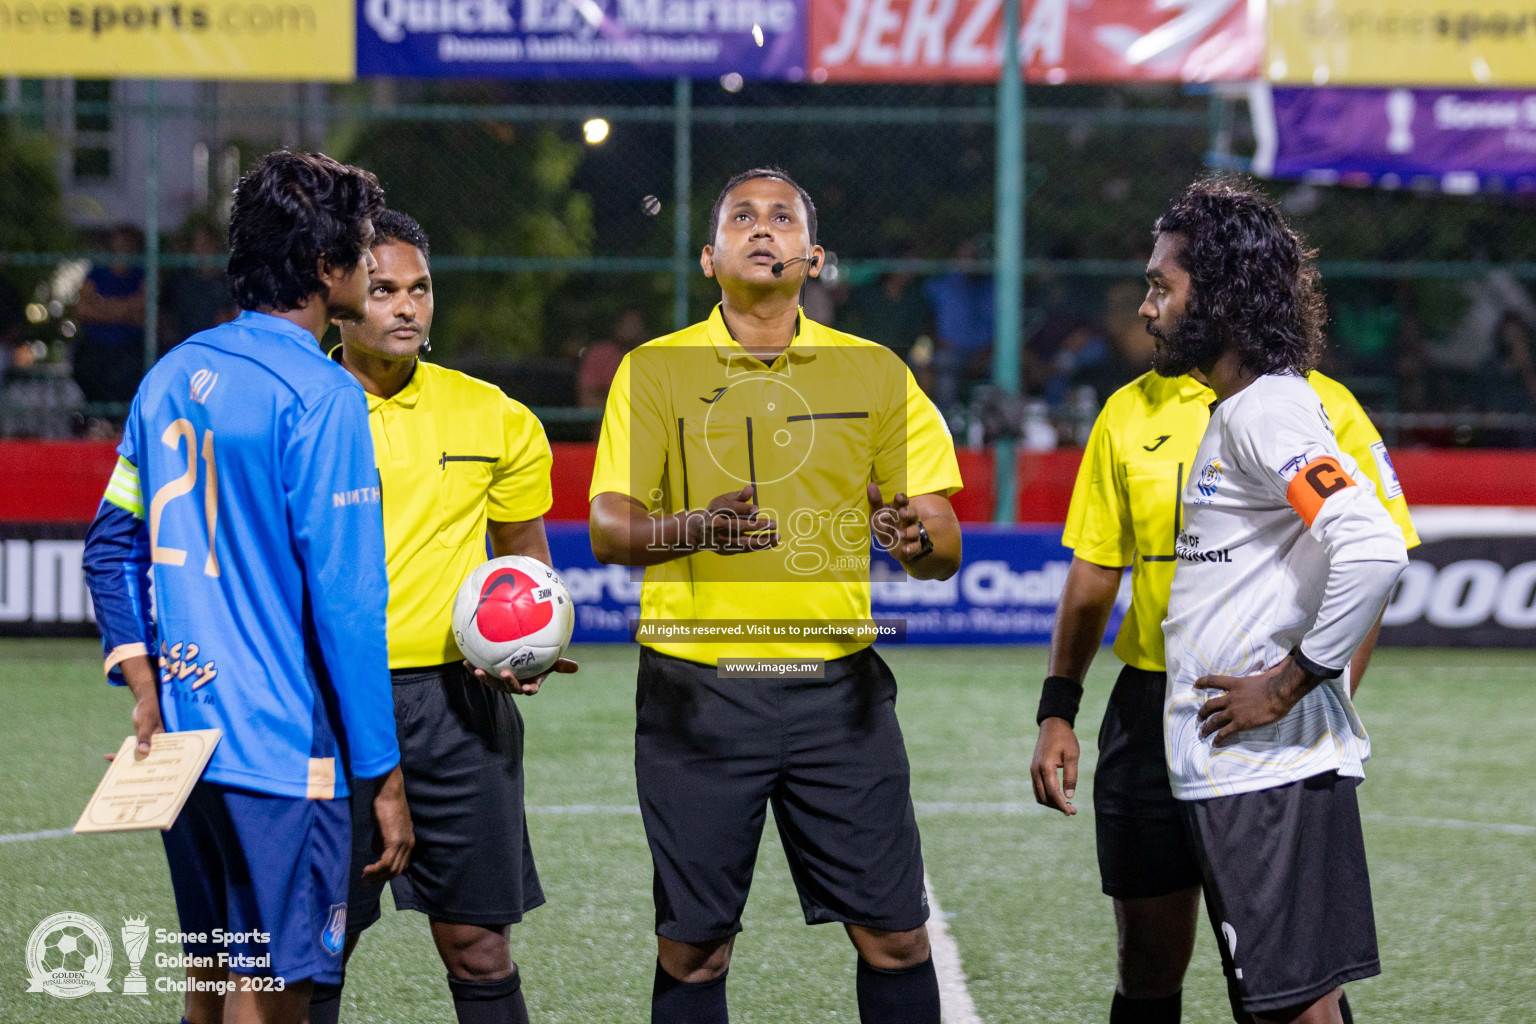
x: 513, y: 613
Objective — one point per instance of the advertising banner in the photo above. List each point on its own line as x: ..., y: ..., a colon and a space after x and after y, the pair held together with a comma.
x: 1060, y: 40
x: 1402, y: 42
x: 1458, y: 591
x: 293, y: 40
x: 1466, y: 140
x: 1005, y: 593
x: 565, y: 39
x: 1465, y: 592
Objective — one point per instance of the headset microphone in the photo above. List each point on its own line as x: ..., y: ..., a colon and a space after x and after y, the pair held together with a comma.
x: 778, y: 268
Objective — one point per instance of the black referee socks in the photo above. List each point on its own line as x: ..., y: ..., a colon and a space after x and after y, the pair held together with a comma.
x: 324, y: 1003
x: 488, y: 1002
x: 1125, y: 1010
x: 684, y: 1002
x: 906, y: 996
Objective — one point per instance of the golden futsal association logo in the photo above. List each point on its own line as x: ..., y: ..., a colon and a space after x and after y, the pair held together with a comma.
x: 68, y: 956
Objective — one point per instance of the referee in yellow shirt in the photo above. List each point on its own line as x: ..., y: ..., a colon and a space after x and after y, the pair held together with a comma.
x: 1125, y: 511
x: 742, y: 462
x: 456, y: 459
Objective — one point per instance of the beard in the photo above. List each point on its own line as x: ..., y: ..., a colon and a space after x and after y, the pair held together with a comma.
x: 1193, y: 341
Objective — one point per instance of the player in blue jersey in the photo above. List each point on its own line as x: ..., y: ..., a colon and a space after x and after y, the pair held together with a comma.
x: 246, y: 490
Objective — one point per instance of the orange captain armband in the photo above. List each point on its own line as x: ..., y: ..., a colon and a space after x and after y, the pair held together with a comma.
x: 1314, y: 484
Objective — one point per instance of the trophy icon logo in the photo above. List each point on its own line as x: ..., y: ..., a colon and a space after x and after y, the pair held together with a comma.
x: 135, y: 939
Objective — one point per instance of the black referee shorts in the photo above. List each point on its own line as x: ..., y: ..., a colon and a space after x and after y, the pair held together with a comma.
x: 1287, y: 891
x: 712, y: 754
x: 461, y: 752
x: 1144, y: 844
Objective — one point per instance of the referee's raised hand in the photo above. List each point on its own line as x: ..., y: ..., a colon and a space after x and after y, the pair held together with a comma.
x: 732, y: 525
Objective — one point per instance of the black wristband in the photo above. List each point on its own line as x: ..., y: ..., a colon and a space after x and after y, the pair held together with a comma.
x: 1308, y: 665
x: 1059, y: 698
x: 924, y: 540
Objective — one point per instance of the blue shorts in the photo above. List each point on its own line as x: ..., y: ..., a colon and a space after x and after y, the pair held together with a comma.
x: 261, y: 881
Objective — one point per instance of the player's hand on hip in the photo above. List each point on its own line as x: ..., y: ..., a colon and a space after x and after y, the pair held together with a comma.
x: 1055, y: 751
x: 394, y: 821
x: 732, y: 525
x: 895, y: 524
x: 1251, y: 702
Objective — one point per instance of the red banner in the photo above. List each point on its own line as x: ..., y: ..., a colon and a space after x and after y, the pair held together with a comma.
x: 62, y: 481
x: 1061, y: 40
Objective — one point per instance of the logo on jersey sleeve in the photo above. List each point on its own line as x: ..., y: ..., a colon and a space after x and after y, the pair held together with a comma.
x: 1391, y: 487
x: 1315, y: 483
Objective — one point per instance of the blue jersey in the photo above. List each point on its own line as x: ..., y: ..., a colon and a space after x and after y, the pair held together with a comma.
x: 246, y: 488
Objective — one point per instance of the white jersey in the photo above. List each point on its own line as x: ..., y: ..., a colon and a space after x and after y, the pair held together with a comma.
x: 1283, y: 547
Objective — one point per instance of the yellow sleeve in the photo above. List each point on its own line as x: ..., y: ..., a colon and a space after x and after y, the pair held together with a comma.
x: 520, y: 487
x: 632, y: 448
x: 1358, y: 436
x: 915, y: 453
x: 123, y: 488
x: 1099, y: 527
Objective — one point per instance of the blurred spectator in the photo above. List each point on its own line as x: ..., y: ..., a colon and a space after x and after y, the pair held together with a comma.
x: 1509, y: 381
x: 962, y: 306
x: 1073, y: 359
x: 1474, y: 342
x: 600, y: 360
x: 196, y: 298
x: 1511, y: 378
x: 1068, y: 343
x: 1413, y: 367
x: 890, y: 310
x: 109, y: 353
x: 1128, y: 352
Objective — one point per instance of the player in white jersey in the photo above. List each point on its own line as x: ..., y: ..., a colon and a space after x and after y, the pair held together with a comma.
x: 1285, y: 561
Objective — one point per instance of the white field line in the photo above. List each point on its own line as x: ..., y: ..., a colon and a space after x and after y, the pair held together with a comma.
x: 983, y: 809
x: 25, y: 837
x: 954, y: 998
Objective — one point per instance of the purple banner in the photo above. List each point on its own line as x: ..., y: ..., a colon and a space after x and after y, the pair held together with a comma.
x: 564, y: 39
x: 1459, y: 140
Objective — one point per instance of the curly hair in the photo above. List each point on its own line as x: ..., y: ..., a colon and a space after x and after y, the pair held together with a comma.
x: 1254, y: 285
x: 394, y: 226
x: 777, y: 174
x: 292, y: 212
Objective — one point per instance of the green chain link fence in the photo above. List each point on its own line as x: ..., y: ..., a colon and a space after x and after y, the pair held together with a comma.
x: 547, y: 241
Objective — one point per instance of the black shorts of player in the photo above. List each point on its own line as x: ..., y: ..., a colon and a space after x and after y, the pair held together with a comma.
x: 712, y: 754
x: 461, y: 752
x: 1287, y: 891
x: 1144, y: 844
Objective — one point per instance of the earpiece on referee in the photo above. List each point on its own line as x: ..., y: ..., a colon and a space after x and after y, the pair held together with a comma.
x: 426, y: 346
x: 809, y: 261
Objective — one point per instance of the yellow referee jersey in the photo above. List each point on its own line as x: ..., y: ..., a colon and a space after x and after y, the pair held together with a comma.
x: 1125, y: 504
x: 692, y: 416
x: 452, y: 452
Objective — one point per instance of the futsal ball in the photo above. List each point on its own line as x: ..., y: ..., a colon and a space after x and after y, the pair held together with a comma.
x: 513, y: 613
